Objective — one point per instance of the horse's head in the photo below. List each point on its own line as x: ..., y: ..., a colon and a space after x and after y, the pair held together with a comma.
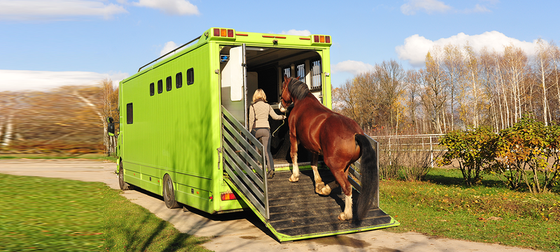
x: 286, y: 98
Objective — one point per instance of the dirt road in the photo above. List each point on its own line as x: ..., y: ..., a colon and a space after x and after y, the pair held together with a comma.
x: 239, y: 232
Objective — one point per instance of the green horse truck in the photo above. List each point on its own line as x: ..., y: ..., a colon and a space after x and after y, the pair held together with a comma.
x: 183, y: 132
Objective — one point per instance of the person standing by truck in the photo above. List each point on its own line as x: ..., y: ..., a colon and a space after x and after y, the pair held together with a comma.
x: 111, y: 136
x: 258, y: 125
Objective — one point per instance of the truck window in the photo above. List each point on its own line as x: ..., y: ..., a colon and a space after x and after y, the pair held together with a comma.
x: 168, y: 83
x: 152, y: 90
x: 179, y: 80
x: 300, y: 72
x: 190, y: 76
x: 129, y: 113
x: 287, y: 72
x: 160, y: 86
x: 316, y: 77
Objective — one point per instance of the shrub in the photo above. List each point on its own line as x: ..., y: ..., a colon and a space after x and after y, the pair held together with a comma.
x: 473, y: 149
x: 523, y: 153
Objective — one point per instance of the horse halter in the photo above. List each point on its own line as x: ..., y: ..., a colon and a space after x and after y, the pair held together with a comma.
x: 283, y: 108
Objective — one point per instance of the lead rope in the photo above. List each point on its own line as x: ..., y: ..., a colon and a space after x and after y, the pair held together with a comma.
x: 283, y: 121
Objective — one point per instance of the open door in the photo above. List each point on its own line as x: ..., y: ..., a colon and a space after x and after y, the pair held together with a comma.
x: 234, y: 79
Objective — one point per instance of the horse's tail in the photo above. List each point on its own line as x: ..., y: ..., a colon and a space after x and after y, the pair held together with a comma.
x: 369, y: 176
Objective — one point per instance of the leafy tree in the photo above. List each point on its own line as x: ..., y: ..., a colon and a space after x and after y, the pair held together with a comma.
x: 523, y: 153
x: 473, y: 149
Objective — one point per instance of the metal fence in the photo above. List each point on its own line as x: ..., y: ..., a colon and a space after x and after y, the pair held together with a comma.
x: 410, y: 143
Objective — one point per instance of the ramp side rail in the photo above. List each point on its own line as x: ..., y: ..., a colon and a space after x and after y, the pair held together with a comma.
x: 244, y: 162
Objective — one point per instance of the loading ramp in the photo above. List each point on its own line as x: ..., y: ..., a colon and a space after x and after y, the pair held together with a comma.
x: 292, y: 211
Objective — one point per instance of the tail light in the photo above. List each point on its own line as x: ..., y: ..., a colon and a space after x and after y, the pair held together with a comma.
x: 321, y: 39
x: 228, y: 196
x: 225, y: 33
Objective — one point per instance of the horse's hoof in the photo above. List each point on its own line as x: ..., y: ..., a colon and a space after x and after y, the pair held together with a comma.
x: 326, y: 190
x: 342, y: 216
x: 293, y: 180
x: 319, y: 188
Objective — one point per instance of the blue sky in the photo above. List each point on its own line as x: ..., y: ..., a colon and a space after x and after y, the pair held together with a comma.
x: 44, y: 44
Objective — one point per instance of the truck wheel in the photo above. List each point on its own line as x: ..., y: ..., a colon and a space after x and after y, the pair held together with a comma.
x: 123, y: 185
x: 169, y: 192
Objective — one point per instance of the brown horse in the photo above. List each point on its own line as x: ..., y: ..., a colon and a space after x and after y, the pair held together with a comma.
x: 338, y: 138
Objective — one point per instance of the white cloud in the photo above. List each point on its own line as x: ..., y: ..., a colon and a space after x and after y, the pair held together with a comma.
x: 428, y: 6
x: 297, y: 32
x: 26, y: 80
x: 168, y: 47
x: 171, y: 7
x: 416, y: 47
x: 352, y: 66
x: 24, y: 10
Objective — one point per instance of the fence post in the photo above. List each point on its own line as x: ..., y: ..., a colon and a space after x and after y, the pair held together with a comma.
x: 431, y: 153
x: 390, y: 160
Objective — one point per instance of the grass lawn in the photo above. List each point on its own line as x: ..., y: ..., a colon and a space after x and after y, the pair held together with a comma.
x: 64, y: 215
x: 486, y: 213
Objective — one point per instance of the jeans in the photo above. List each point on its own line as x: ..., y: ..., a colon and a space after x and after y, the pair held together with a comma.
x: 263, y: 134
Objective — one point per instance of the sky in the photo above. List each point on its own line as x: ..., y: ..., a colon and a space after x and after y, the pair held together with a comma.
x: 49, y: 43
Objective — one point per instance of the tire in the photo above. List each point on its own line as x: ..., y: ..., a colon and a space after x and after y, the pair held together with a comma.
x: 123, y: 185
x: 169, y: 192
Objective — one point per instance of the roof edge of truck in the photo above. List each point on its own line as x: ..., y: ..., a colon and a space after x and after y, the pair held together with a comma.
x: 231, y: 35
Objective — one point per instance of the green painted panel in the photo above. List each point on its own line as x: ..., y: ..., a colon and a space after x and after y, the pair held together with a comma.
x: 175, y: 132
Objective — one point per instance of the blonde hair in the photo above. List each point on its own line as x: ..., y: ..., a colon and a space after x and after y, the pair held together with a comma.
x: 259, y: 95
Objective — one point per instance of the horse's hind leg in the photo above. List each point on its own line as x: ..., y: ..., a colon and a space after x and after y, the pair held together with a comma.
x: 342, y: 179
x: 347, y: 214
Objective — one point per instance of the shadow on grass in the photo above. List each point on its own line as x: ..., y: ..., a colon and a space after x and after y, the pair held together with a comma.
x: 131, y: 227
x: 142, y: 236
x: 454, y: 177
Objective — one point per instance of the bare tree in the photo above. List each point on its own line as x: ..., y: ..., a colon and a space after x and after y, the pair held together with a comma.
x: 413, y: 82
x: 544, y: 68
x: 473, y: 77
x: 454, y: 70
x: 514, y: 64
x: 390, y: 75
x: 365, y: 89
x: 488, y: 87
x: 555, y: 54
x: 435, y: 95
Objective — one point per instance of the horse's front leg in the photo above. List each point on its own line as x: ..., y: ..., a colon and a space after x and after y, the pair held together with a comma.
x: 293, y: 153
x: 319, y: 185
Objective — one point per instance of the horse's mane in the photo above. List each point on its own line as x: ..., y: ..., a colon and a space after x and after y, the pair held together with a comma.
x: 298, y: 89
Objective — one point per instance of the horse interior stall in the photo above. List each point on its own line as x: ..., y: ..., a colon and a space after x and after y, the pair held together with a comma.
x: 265, y: 69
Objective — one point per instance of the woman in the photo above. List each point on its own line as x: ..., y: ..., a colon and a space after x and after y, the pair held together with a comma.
x: 258, y: 121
